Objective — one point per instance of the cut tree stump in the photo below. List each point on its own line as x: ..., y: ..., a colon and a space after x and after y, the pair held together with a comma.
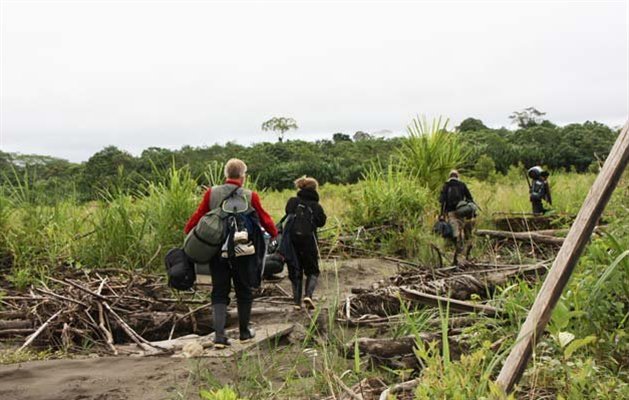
x: 567, y: 258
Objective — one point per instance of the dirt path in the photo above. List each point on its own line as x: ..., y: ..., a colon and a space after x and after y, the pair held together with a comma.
x: 155, y: 378
x: 109, y: 378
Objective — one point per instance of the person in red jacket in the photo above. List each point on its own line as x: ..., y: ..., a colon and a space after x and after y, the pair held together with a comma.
x: 240, y: 269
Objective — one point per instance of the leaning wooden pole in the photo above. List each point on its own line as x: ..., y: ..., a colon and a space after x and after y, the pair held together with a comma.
x: 566, y: 260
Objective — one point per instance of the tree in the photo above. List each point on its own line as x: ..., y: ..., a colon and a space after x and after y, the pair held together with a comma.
x: 108, y: 169
x: 527, y: 118
x: 471, y: 125
x: 341, y: 137
x: 281, y: 125
x: 360, y: 135
x: 485, y: 168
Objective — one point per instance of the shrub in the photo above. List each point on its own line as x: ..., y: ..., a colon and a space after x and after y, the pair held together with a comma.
x: 388, y: 197
x: 430, y: 152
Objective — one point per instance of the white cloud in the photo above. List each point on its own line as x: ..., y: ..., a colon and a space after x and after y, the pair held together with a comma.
x: 77, y: 76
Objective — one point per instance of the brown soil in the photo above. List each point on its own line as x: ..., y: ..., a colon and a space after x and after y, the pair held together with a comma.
x: 122, y: 378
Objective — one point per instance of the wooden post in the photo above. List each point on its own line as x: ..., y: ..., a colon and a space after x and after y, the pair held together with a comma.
x: 564, y: 264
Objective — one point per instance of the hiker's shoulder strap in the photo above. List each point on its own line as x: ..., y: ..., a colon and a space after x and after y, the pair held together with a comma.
x: 248, y: 194
x: 219, y: 193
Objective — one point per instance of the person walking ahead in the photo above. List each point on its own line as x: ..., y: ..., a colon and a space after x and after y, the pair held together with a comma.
x: 539, y: 190
x: 238, y: 264
x: 301, y: 251
x: 453, y: 193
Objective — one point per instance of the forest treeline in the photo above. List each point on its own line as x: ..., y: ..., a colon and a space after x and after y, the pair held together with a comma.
x: 341, y: 159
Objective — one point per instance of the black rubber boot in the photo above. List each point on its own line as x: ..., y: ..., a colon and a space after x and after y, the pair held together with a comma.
x: 311, y: 284
x: 219, y: 319
x: 297, y: 289
x: 244, y: 316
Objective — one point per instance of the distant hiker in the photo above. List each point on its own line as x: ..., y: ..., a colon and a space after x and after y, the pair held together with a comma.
x: 457, y: 206
x: 539, y: 189
x: 304, y: 215
x: 242, y: 252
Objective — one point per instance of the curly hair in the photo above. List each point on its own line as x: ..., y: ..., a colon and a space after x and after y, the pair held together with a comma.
x: 306, y: 182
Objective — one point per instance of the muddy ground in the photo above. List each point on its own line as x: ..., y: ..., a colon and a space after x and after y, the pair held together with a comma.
x: 122, y: 378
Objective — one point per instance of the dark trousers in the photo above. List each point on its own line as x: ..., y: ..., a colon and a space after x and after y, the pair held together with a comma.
x: 307, y: 255
x: 239, y: 271
x: 538, y: 207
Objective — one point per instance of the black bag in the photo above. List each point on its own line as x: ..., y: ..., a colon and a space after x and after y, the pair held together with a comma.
x: 303, y: 224
x: 180, y: 270
x: 444, y: 229
x: 537, y: 191
x: 273, y: 264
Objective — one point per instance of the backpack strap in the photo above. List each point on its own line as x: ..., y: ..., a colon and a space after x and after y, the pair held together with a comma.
x: 221, y: 193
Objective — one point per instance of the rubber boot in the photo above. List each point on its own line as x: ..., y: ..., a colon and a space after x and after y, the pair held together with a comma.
x: 297, y: 288
x: 220, y: 318
x: 311, y: 284
x: 468, y: 251
x: 244, y: 316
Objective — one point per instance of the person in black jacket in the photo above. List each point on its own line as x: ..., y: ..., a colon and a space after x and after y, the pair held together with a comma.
x: 453, y: 192
x: 539, y: 190
x: 306, y: 216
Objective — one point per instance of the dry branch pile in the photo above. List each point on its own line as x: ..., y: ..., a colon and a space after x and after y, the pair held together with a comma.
x: 99, y: 309
x: 416, y: 287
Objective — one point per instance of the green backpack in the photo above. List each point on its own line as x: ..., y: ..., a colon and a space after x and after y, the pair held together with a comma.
x: 205, y: 240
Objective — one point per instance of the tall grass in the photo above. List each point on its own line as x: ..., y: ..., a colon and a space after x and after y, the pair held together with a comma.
x: 389, y: 196
x: 169, y: 204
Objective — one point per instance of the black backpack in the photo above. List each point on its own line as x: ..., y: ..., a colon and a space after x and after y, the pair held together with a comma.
x: 453, y: 196
x: 303, y: 224
x: 180, y: 270
x: 537, y: 190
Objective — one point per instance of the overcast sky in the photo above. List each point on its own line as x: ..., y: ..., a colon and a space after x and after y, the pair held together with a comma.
x: 80, y: 75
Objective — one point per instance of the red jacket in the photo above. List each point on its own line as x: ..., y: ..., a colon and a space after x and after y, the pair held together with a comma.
x: 204, y: 207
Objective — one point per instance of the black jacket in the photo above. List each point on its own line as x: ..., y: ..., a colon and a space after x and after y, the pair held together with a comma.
x: 310, y: 198
x: 302, y: 256
x: 452, y: 192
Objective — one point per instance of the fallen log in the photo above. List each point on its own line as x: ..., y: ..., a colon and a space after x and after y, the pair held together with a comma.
x: 455, y: 305
x: 16, y: 324
x: 15, y: 332
x: 387, y: 348
x: 521, y: 236
x: 4, y: 315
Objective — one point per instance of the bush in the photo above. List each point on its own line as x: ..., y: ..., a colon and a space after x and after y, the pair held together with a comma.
x: 388, y: 197
x: 430, y: 152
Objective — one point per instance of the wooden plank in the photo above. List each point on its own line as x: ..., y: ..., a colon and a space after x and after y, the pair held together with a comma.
x: 566, y: 260
x: 263, y: 334
x: 455, y: 305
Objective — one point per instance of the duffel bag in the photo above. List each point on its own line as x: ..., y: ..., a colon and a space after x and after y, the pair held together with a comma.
x: 204, y: 241
x: 443, y: 229
x: 273, y: 264
x: 465, y: 209
x: 180, y: 270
